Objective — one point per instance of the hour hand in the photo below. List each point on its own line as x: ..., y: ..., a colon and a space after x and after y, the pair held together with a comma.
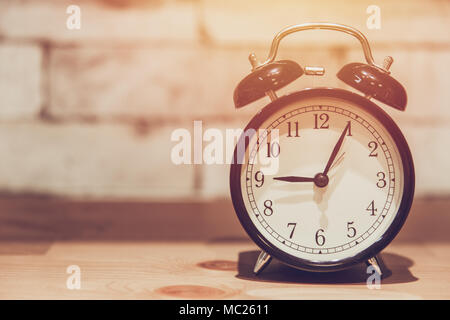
x: 294, y: 179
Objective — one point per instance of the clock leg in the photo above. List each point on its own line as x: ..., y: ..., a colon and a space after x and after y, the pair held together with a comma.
x: 377, y: 263
x: 262, y: 262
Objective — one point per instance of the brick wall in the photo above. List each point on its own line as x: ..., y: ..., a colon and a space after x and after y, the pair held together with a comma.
x: 89, y: 112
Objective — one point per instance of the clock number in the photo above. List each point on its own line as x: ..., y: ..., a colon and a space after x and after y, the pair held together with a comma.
x: 320, y: 239
x: 268, y: 211
x: 293, y: 224
x: 324, y: 117
x: 381, y: 181
x: 273, y: 149
x: 372, y: 208
x: 351, y: 230
x: 373, y: 145
x: 290, y: 127
x: 259, y: 178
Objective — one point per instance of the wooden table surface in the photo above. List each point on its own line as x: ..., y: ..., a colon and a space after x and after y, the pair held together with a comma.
x: 135, y: 251
x: 198, y: 270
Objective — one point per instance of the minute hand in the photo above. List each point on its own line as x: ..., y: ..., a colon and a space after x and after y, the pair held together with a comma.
x: 336, y: 149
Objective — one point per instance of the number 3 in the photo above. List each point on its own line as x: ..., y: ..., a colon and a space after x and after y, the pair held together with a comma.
x: 381, y: 182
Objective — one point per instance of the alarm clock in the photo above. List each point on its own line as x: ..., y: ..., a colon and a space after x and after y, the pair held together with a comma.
x: 341, y: 180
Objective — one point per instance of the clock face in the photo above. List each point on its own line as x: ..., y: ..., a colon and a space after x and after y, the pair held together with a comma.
x: 323, y: 180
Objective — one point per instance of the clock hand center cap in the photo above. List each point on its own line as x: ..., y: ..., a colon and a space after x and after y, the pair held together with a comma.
x: 321, y: 180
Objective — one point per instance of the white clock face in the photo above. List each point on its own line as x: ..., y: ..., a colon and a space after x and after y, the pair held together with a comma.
x: 358, y: 183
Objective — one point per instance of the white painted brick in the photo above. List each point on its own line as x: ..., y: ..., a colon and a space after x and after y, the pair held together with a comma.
x: 430, y: 150
x: 423, y: 74
x: 100, y: 22
x: 167, y: 82
x: 20, y: 81
x: 234, y: 21
x: 93, y: 161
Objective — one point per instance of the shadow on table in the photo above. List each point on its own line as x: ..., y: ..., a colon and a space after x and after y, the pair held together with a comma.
x: 398, y: 271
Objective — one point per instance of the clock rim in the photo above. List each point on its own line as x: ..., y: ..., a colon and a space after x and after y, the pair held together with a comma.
x: 408, y: 188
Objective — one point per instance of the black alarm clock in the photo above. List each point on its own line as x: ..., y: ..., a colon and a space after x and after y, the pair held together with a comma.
x: 322, y: 178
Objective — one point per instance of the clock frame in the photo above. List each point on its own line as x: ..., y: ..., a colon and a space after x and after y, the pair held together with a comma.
x: 403, y: 209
